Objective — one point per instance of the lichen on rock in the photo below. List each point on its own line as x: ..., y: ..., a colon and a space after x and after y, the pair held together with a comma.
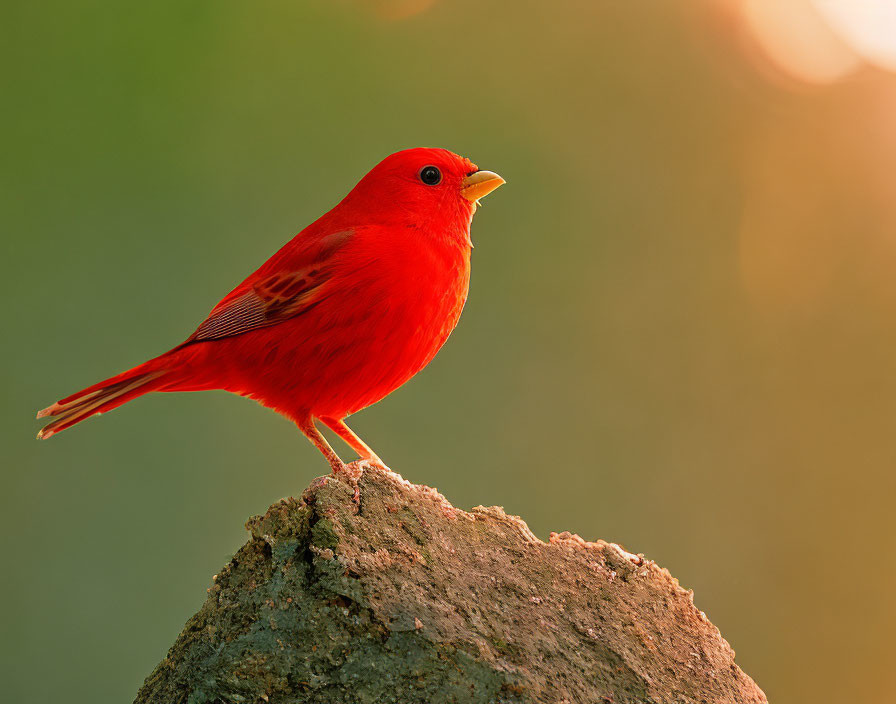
x: 371, y: 589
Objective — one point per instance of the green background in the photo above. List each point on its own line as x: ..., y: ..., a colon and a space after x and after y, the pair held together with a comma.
x: 679, y: 336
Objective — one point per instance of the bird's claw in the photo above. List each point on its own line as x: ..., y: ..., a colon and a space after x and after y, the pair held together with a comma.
x: 376, y: 463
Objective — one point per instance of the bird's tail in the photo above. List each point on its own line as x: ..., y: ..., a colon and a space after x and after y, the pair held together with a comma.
x: 102, y: 397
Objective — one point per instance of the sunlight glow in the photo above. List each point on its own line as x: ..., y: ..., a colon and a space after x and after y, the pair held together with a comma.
x: 821, y: 41
x: 868, y: 25
x: 797, y: 40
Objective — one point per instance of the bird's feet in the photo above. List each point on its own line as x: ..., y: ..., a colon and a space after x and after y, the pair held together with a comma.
x: 338, y: 466
x: 371, y: 463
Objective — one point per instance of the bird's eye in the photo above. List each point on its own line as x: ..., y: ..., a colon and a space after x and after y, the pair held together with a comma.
x: 430, y: 175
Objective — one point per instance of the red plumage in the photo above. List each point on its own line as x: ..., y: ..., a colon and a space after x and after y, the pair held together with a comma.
x: 346, y: 312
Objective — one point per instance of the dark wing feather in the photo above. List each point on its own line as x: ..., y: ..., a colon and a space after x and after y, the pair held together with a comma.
x: 273, y: 298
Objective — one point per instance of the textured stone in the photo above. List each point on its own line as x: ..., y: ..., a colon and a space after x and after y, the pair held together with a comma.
x: 372, y: 589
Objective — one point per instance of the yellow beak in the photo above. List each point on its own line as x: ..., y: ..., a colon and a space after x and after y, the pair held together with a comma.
x: 479, y: 184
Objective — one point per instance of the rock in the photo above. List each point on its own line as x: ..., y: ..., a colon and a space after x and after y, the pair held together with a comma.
x: 371, y: 589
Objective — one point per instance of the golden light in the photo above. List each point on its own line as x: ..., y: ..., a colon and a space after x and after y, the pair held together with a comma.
x: 821, y: 41
x: 869, y: 26
x: 797, y: 40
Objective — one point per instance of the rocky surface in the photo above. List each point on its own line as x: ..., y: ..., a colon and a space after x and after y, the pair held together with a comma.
x: 371, y: 589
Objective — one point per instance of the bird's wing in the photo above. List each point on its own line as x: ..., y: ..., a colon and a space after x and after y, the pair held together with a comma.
x: 292, y: 282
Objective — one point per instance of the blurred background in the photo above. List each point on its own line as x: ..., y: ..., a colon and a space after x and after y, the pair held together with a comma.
x: 680, y: 334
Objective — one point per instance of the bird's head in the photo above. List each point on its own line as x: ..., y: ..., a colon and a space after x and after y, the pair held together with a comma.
x: 423, y: 188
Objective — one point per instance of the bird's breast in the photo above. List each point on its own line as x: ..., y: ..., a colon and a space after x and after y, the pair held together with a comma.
x: 416, y: 302
x: 381, y: 326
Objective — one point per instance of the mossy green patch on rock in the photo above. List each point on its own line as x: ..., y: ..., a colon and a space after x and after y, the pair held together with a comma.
x: 372, y: 589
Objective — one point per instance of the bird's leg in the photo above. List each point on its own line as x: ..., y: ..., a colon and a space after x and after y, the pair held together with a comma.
x: 352, y: 440
x: 320, y: 442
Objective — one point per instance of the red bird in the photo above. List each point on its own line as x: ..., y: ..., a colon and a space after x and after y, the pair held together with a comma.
x: 345, y: 313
